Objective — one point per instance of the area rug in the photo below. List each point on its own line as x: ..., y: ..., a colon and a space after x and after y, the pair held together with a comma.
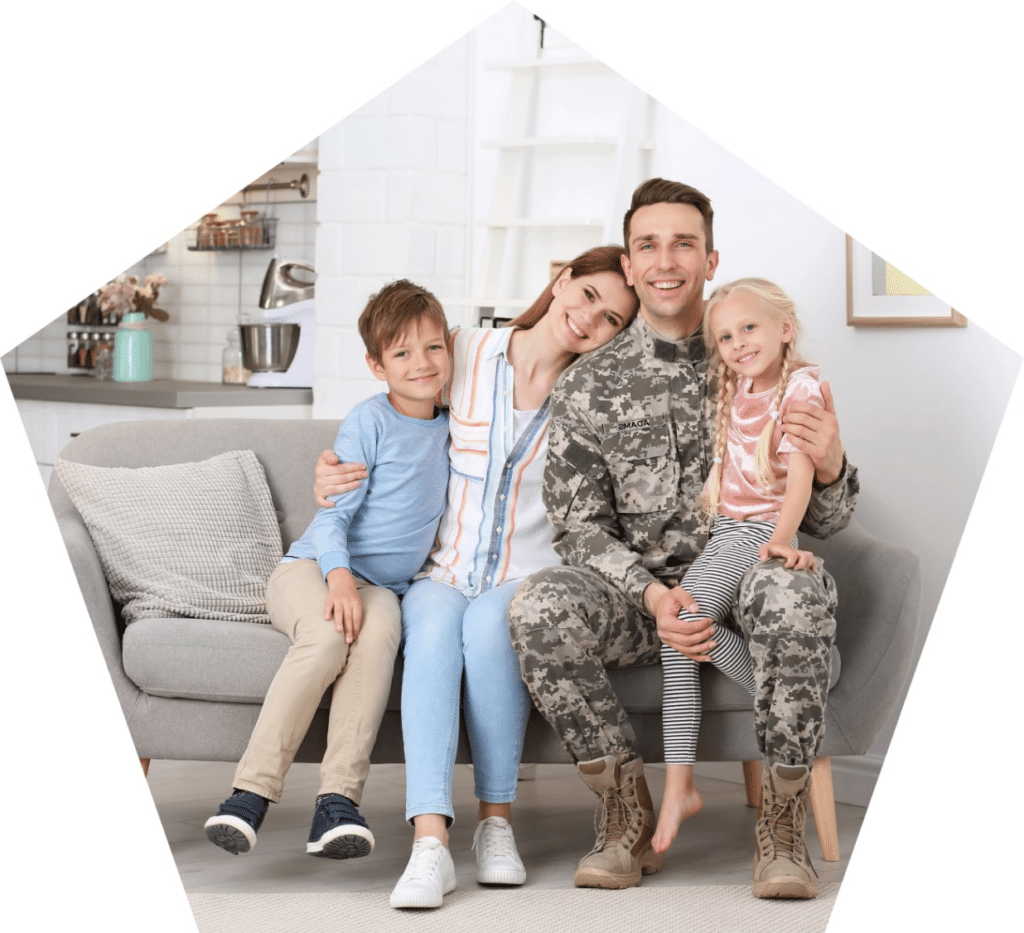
x: 697, y: 909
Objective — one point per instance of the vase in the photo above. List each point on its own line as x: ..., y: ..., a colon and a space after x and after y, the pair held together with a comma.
x: 133, y: 350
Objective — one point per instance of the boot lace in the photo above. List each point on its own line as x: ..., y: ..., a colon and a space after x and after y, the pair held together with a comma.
x: 779, y: 831
x: 616, y: 818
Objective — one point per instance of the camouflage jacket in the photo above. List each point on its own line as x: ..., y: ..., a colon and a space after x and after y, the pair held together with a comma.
x: 629, y: 449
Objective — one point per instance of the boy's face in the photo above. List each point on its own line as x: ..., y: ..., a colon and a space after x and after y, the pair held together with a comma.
x: 415, y: 367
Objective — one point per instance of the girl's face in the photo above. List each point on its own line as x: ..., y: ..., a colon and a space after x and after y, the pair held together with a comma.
x: 750, y: 338
x: 586, y: 312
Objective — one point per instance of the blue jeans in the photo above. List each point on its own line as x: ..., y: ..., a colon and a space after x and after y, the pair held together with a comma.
x: 443, y: 635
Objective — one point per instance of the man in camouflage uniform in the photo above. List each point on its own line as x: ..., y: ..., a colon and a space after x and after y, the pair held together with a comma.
x: 629, y: 449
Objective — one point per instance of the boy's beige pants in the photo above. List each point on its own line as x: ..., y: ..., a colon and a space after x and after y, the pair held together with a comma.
x: 361, y: 674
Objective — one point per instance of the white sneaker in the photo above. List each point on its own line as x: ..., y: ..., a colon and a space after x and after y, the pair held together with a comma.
x: 497, y: 861
x: 428, y: 877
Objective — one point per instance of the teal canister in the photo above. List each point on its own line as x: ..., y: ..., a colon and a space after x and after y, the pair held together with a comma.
x: 133, y: 349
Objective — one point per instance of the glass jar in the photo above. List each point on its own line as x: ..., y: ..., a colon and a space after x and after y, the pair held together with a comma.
x: 94, y: 345
x: 233, y: 372
x: 103, y: 365
x: 204, y: 235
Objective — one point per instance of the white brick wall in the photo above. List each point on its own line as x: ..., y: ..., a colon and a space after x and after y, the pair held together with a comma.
x: 204, y: 294
x: 393, y: 202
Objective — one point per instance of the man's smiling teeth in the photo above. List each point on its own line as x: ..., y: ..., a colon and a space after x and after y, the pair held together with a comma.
x: 666, y: 285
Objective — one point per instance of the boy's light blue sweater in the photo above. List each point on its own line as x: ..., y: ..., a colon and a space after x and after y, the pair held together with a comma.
x: 383, y: 531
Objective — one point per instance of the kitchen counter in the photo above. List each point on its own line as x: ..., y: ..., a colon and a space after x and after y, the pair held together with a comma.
x: 158, y: 393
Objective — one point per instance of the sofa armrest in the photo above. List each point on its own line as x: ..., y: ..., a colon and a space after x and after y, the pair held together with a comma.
x: 879, y: 629
x: 89, y: 573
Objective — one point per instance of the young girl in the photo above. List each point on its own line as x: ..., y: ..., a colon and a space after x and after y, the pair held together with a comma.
x: 755, y: 498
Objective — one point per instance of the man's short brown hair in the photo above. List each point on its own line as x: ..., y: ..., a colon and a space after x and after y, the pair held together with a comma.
x: 661, y: 191
x: 390, y: 312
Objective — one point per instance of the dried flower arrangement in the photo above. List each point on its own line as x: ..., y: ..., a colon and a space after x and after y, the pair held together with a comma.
x: 125, y: 295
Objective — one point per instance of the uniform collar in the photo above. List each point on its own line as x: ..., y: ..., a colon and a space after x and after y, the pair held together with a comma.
x: 658, y: 347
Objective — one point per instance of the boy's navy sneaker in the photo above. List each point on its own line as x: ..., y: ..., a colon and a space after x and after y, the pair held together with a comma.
x: 338, y: 830
x: 237, y: 821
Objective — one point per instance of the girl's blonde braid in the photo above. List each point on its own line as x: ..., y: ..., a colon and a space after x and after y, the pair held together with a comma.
x: 762, y: 457
x: 723, y: 410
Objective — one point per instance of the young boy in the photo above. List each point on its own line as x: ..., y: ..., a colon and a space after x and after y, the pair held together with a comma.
x: 335, y: 593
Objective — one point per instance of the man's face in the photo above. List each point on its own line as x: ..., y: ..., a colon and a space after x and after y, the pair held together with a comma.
x: 668, y: 264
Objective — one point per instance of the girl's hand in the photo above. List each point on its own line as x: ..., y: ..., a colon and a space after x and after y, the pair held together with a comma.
x: 795, y: 559
x: 333, y: 478
x: 343, y: 604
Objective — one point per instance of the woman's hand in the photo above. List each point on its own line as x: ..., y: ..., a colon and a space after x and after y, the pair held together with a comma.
x: 794, y: 559
x: 343, y: 604
x: 815, y: 432
x: 333, y: 477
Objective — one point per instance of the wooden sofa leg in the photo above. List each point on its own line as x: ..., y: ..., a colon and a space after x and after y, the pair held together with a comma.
x: 823, y: 806
x: 145, y: 766
x: 752, y: 781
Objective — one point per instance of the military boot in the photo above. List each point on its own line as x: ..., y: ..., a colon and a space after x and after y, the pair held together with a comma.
x: 624, y: 822
x: 782, y: 867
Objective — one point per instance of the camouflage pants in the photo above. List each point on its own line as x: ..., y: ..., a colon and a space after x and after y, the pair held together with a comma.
x: 569, y: 625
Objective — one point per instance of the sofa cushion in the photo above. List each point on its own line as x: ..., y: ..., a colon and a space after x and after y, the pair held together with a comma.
x: 639, y: 688
x: 203, y: 659
x: 234, y: 662
x: 185, y: 539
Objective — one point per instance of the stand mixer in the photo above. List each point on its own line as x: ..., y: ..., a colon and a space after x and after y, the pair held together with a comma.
x: 288, y: 299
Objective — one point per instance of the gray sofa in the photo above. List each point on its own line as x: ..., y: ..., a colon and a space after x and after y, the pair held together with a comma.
x: 191, y: 690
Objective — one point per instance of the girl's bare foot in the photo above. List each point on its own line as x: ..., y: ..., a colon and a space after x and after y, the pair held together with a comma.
x: 678, y: 804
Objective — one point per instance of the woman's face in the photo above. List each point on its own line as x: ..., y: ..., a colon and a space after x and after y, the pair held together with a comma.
x: 586, y: 312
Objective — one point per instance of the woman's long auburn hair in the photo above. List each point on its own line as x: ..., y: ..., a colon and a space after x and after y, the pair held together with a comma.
x: 593, y: 261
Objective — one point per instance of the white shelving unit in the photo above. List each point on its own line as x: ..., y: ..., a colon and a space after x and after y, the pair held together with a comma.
x: 514, y: 224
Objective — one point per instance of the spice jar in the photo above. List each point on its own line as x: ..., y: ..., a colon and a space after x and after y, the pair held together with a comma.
x: 103, y: 364
x: 252, y: 229
x: 232, y: 370
x: 204, y: 235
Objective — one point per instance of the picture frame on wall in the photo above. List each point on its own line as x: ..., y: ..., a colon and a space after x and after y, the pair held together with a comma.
x: 879, y: 295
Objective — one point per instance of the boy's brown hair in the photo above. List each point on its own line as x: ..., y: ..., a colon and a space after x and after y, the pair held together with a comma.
x: 390, y: 312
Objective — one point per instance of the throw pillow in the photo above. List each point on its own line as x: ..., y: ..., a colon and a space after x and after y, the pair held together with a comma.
x: 197, y: 540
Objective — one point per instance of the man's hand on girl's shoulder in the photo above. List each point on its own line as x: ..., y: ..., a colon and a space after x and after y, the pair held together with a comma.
x: 815, y: 432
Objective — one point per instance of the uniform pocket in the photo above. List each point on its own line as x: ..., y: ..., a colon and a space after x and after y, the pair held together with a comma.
x: 643, y: 469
